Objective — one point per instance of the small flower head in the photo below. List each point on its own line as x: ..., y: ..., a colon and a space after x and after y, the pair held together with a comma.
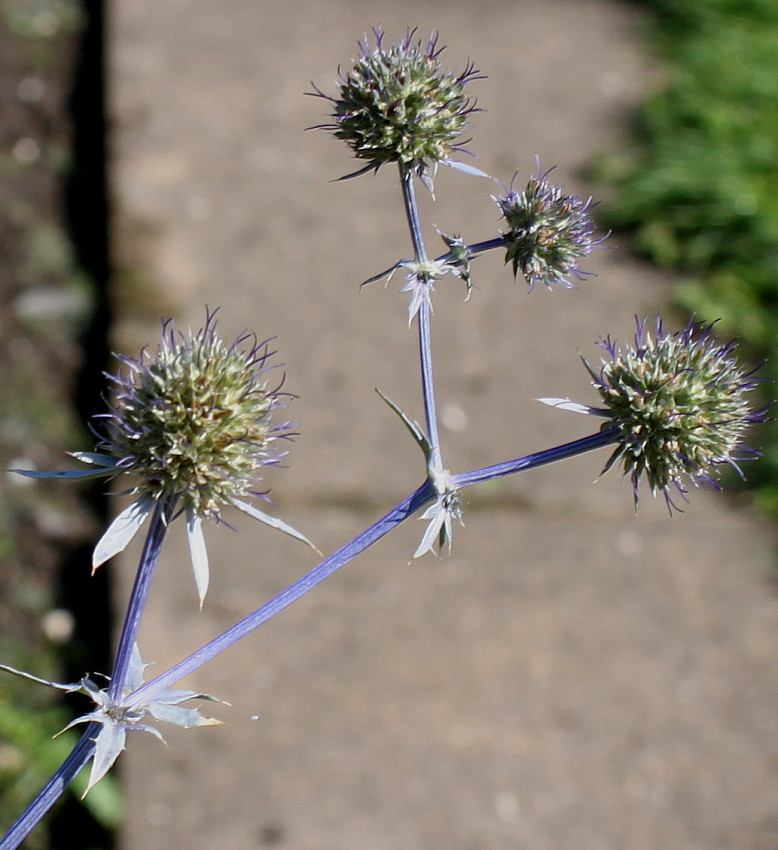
x: 194, y: 421
x: 398, y: 104
x: 459, y: 260
x: 679, y: 402
x: 549, y: 232
x: 421, y: 279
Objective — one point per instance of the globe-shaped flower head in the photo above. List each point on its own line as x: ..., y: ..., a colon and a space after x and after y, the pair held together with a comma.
x: 193, y: 425
x: 398, y: 104
x: 679, y: 402
x: 549, y: 232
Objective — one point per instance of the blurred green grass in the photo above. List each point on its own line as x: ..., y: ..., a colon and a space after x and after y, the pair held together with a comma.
x: 697, y: 189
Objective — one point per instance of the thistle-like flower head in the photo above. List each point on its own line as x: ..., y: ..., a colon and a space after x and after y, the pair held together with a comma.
x: 398, y: 104
x: 549, y: 231
x: 193, y: 425
x: 679, y: 402
x: 194, y: 421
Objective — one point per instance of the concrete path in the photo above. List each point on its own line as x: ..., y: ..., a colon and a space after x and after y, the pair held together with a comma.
x: 573, y: 677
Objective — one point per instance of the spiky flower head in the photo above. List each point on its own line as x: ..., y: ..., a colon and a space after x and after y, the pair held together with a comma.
x: 549, y: 231
x: 398, y: 104
x: 193, y: 425
x: 679, y: 402
x: 194, y: 421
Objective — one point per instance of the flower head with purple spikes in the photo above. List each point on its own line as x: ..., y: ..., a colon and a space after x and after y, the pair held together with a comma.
x: 193, y: 425
x: 398, y: 104
x: 549, y: 231
x: 679, y: 401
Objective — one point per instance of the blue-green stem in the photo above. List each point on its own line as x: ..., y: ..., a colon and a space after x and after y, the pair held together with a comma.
x: 412, y: 213
x: 423, y: 316
x: 421, y: 497
x: 160, y: 518
x: 606, y: 437
x: 52, y: 790
x: 427, y: 383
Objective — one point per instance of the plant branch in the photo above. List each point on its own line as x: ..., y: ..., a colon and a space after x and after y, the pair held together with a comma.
x: 52, y: 790
x: 160, y: 519
x: 418, y: 499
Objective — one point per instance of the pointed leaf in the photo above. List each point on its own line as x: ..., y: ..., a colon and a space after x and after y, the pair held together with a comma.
x: 109, y: 744
x: 145, y: 727
x: 463, y: 167
x: 432, y: 531
x: 196, y: 539
x: 94, y: 458
x: 594, y: 376
x: 369, y: 167
x: 412, y: 426
x: 134, y: 678
x: 72, y: 688
x: 186, y: 718
x: 426, y: 179
x: 121, y: 531
x: 388, y: 272
x: 611, y: 460
x: 64, y: 473
x: 420, y: 292
x: 173, y: 696
x: 97, y: 716
x: 573, y: 406
x: 273, y: 522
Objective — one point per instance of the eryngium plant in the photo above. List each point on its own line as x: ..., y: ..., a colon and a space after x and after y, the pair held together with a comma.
x: 681, y: 406
x: 194, y: 421
x: 193, y: 424
x: 549, y: 232
x: 398, y: 104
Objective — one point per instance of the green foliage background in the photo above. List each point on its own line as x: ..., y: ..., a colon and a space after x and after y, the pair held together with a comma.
x: 699, y: 188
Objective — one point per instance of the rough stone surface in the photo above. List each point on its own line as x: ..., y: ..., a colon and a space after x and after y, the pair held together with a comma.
x: 574, y: 677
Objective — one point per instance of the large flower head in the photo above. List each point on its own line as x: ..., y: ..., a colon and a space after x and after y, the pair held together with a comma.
x: 549, y: 232
x: 679, y: 402
x: 398, y: 104
x: 194, y: 421
x: 193, y: 425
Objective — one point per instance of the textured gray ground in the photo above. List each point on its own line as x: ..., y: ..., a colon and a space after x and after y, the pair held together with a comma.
x: 574, y: 677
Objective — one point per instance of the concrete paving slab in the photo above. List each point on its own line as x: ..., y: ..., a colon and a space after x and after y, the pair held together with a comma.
x: 573, y: 676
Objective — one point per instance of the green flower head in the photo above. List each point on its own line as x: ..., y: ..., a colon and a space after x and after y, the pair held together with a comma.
x: 194, y: 421
x: 549, y: 232
x: 193, y: 426
x: 679, y: 402
x: 398, y: 104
